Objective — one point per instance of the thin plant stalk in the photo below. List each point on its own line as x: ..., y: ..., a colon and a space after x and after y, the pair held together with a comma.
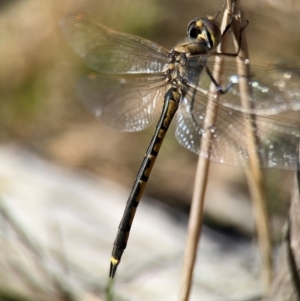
x: 254, y: 173
x: 196, y: 213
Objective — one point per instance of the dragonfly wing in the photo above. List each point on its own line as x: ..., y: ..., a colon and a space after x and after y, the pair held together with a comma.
x: 190, y: 130
x: 107, y: 51
x: 278, y: 135
x: 275, y: 89
x: 279, y: 140
x: 124, y: 102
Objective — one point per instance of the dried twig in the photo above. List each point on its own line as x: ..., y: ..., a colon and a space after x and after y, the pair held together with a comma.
x: 286, y: 284
x: 254, y: 173
x: 196, y: 214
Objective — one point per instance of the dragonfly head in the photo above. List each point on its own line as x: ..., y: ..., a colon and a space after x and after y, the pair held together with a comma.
x: 204, y: 31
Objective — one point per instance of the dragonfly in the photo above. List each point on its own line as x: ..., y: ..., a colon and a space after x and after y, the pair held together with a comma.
x: 137, y: 83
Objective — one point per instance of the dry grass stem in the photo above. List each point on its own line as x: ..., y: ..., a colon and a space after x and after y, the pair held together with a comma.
x: 196, y: 213
x: 254, y: 173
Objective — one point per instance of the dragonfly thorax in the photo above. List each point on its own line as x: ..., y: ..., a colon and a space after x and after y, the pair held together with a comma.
x: 184, y: 68
x: 176, y: 74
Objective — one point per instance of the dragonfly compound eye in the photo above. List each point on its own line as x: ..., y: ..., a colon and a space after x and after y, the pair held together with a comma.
x: 205, y: 32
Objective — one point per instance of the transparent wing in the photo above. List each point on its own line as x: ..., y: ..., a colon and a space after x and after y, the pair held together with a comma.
x: 275, y: 88
x: 278, y: 134
x: 126, y: 102
x: 108, y: 51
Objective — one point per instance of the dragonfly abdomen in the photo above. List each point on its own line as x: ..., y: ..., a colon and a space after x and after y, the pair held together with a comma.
x: 172, y: 99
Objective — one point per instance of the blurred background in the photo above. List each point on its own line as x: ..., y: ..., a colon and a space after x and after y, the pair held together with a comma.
x: 41, y: 114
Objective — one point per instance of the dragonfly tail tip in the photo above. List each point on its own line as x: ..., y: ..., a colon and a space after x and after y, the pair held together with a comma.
x: 113, y: 269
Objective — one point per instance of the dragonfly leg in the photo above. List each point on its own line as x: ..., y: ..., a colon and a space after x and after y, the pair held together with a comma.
x: 218, y: 87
